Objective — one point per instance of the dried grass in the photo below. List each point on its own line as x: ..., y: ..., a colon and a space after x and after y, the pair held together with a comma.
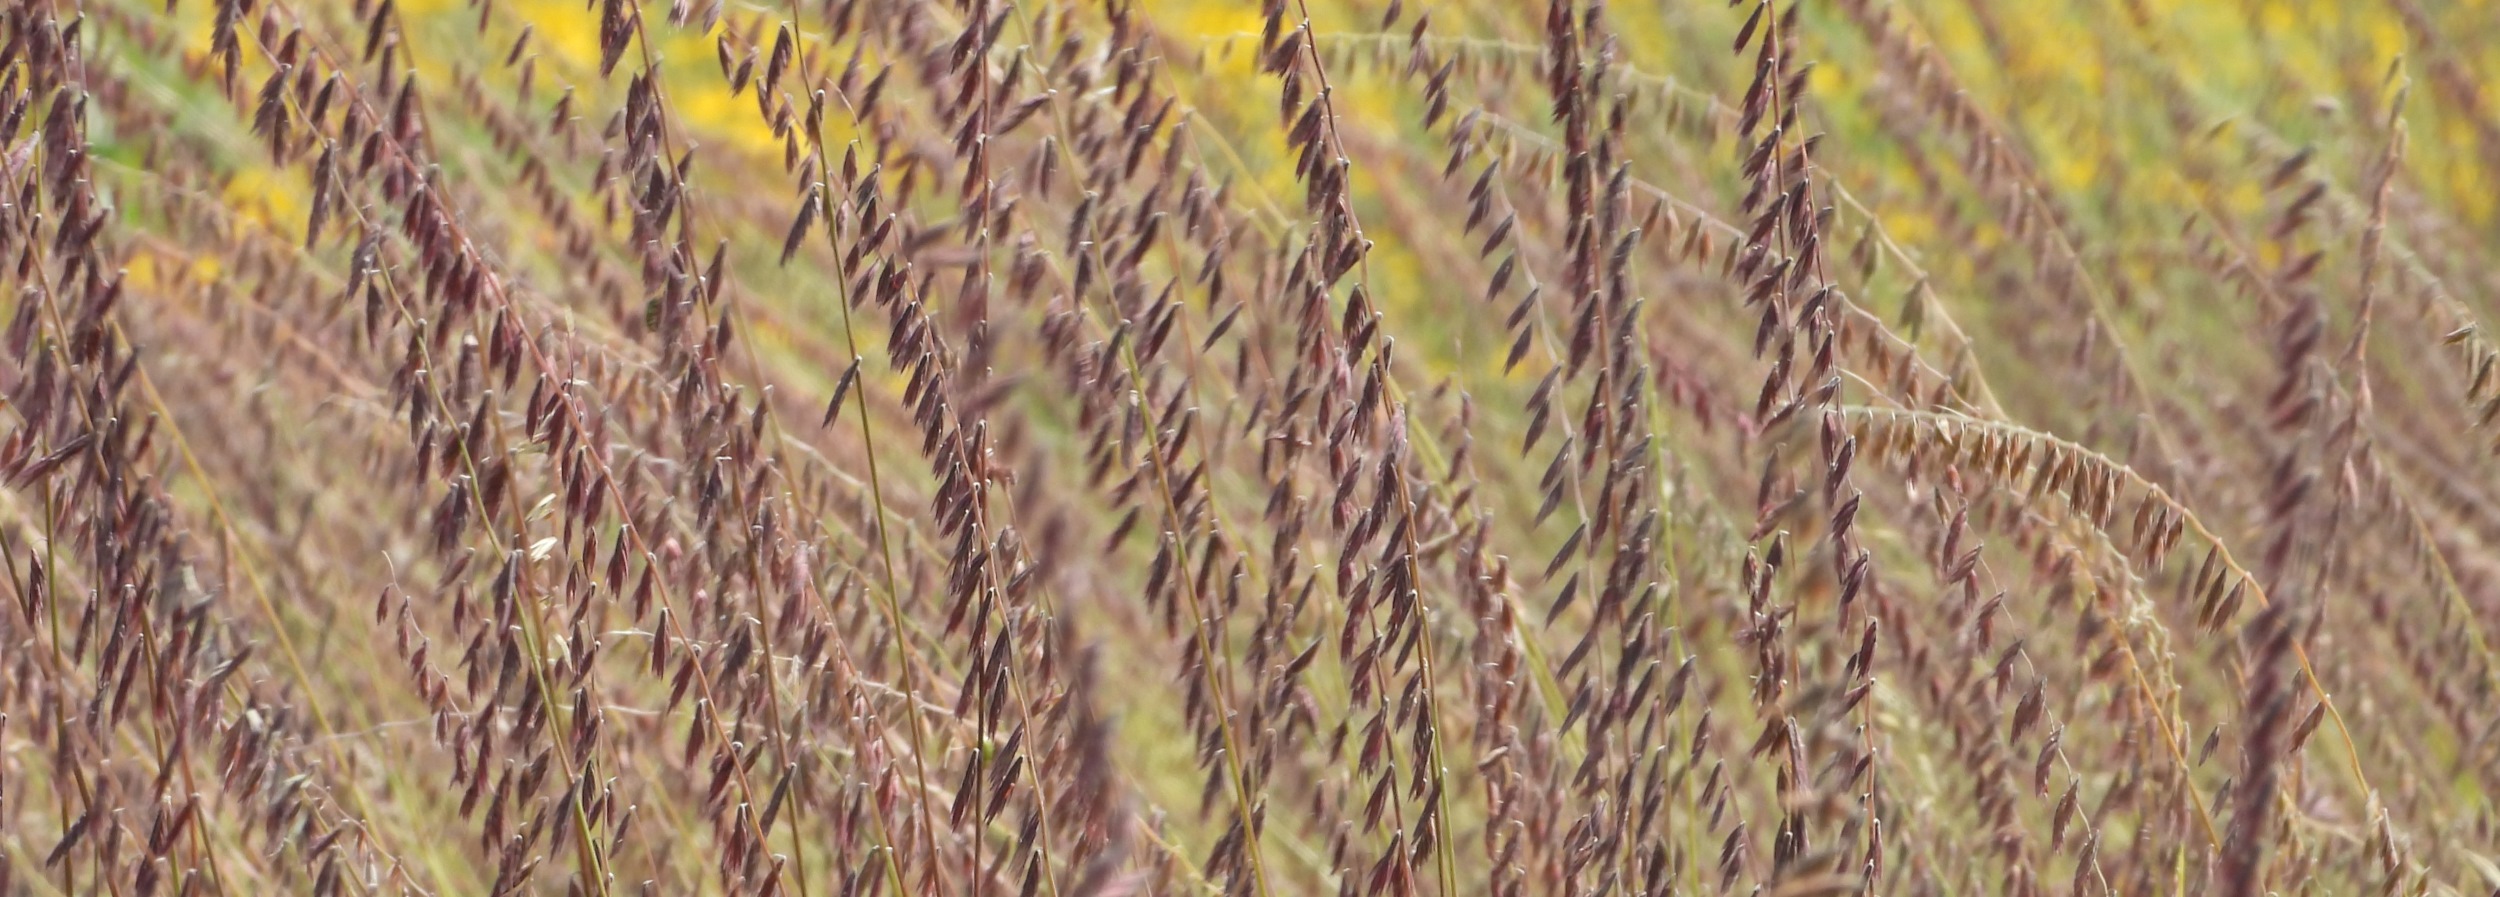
x: 997, y: 447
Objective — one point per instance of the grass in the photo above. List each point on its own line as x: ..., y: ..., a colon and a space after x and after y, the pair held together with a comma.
x: 1097, y: 448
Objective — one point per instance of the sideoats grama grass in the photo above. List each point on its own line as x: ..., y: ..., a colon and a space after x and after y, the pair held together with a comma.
x: 1248, y: 447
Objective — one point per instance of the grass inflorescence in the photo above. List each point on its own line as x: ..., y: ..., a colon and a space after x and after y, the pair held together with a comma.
x: 1248, y: 447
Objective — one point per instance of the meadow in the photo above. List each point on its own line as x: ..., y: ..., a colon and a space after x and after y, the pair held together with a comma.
x: 1249, y: 447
